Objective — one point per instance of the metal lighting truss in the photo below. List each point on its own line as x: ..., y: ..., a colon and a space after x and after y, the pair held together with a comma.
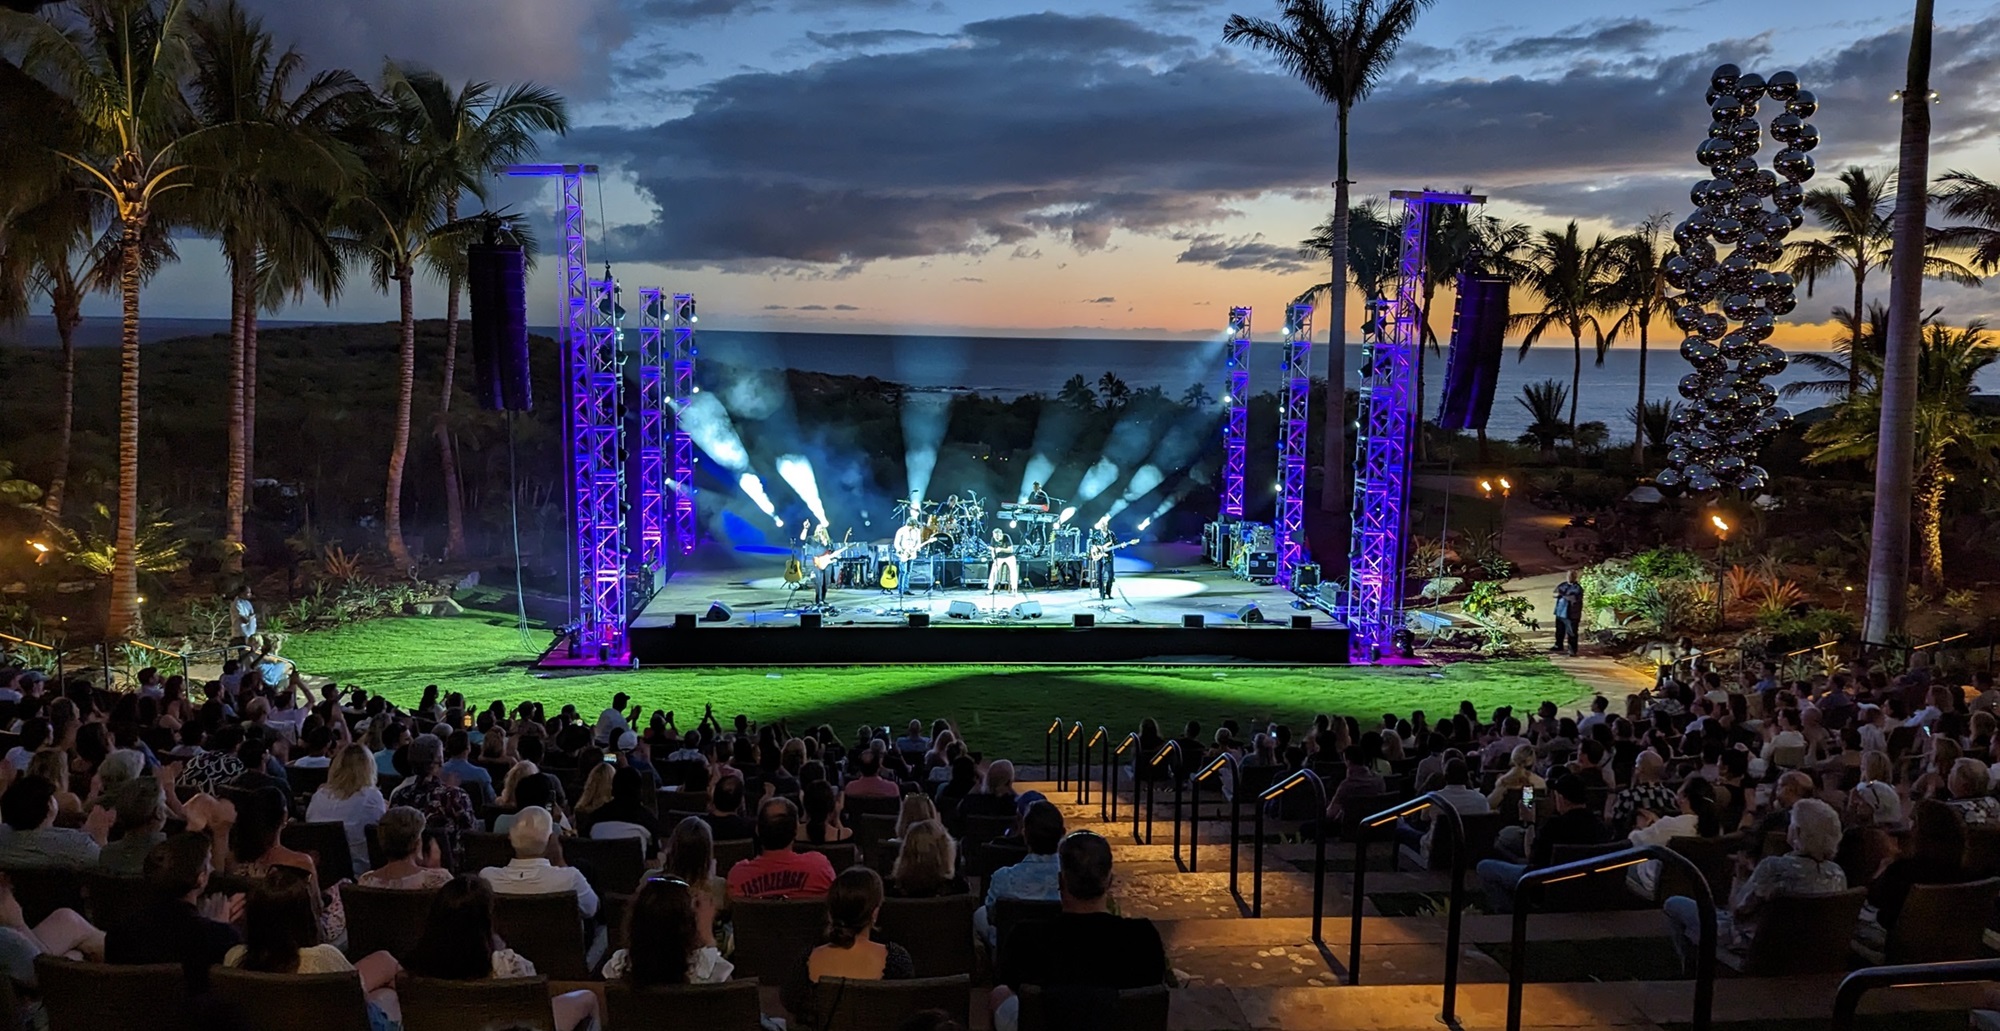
x: 1236, y: 396
x: 1292, y: 444
x: 1374, y: 609
x: 652, y: 486
x: 592, y: 425
x: 683, y: 390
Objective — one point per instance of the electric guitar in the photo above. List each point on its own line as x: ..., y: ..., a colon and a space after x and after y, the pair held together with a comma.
x: 1098, y: 551
x: 832, y: 555
x: 909, y: 542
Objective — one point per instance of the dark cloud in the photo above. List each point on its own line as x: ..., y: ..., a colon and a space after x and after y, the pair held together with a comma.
x: 1173, y: 7
x: 698, y: 10
x: 558, y: 44
x: 1047, y: 128
x: 777, y: 307
x: 812, y: 307
x: 1243, y: 252
x: 1589, y: 38
x: 868, y: 39
x: 845, y: 307
x: 1100, y: 300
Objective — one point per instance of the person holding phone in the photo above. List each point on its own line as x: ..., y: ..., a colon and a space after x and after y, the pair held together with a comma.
x: 1574, y: 823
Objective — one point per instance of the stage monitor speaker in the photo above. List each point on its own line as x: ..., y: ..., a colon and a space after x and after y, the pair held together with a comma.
x: 809, y: 621
x: 1477, y: 338
x: 961, y: 610
x: 1082, y: 620
x: 1193, y: 621
x: 1250, y: 613
x: 497, y: 282
x: 1302, y: 622
x: 919, y: 620
x: 975, y: 574
x: 684, y: 620
x: 718, y: 612
x: 1027, y: 610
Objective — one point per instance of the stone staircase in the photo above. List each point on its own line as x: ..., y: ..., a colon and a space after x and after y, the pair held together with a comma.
x: 1587, y: 970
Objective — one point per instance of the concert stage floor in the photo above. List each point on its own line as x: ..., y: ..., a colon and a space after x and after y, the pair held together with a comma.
x: 1157, y: 585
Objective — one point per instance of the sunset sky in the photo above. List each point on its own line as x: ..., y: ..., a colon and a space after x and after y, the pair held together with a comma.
x: 995, y: 166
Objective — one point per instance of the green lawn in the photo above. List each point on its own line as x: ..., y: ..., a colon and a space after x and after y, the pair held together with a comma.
x: 1002, y: 708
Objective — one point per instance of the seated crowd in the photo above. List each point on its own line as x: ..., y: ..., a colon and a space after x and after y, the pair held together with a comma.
x: 251, y: 818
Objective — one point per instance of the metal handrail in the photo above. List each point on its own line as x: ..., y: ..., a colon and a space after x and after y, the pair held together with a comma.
x: 1319, y: 850
x: 1048, y: 745
x: 1074, y: 730
x: 1454, y: 920
x: 1171, y: 747
x: 1111, y: 780
x: 1704, y: 962
x: 1194, y: 814
x: 1083, y: 766
x: 30, y: 643
x: 1906, y: 975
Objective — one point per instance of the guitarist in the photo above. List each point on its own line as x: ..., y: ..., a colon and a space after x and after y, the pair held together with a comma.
x: 1102, y: 544
x: 823, y: 563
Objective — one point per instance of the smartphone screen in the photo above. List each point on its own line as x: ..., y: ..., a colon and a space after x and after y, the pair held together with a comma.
x: 466, y: 721
x: 611, y: 757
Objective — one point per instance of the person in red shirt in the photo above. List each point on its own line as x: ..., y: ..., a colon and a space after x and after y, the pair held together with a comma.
x: 777, y: 872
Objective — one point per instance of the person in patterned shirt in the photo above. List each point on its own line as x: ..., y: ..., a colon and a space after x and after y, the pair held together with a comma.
x: 1648, y: 791
x: 1808, y: 869
x: 215, y: 765
x: 447, y: 808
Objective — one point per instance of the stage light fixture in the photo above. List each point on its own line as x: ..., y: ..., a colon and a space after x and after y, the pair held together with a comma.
x: 607, y: 302
x: 1143, y: 523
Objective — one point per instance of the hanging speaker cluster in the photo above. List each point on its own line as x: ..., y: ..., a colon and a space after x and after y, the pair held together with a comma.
x: 497, y: 280
x: 1478, y: 336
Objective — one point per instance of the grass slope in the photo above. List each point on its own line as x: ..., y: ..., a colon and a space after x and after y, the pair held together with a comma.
x: 1003, y: 708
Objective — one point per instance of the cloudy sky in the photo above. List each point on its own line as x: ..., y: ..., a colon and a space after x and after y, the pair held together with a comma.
x: 1108, y: 166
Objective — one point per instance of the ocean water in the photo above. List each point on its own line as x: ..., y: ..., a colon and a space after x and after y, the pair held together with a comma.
x: 1012, y: 366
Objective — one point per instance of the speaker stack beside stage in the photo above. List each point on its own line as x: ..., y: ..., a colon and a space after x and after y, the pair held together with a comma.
x: 497, y: 285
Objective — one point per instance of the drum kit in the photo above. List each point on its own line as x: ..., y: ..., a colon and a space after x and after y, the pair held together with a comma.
x: 952, y: 528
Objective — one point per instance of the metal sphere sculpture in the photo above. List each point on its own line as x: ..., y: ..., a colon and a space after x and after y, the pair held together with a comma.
x: 1730, y: 303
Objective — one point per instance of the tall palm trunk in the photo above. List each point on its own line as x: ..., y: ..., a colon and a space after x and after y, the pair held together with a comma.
x: 233, y: 488
x: 1333, y: 444
x: 68, y: 316
x: 122, y: 619
x: 1639, y: 413
x: 1423, y: 333
x: 1889, y: 550
x: 1575, y: 381
x: 1854, y: 342
x: 454, y: 500
x: 250, y: 397
x: 399, y: 445
x: 1929, y: 513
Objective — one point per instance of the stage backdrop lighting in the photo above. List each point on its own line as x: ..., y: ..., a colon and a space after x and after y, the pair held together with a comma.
x: 753, y: 488
x: 708, y: 424
x: 1039, y: 469
x: 797, y: 473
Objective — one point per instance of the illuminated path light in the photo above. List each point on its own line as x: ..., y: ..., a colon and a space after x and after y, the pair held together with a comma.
x: 797, y: 472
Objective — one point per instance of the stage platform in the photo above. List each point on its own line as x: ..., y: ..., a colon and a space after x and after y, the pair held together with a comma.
x: 1157, y: 586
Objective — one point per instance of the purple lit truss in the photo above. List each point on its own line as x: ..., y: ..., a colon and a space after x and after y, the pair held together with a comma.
x: 1291, y: 536
x: 1236, y: 399
x: 682, y: 390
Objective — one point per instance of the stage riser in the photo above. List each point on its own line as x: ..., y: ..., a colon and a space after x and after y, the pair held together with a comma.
x: 943, y: 643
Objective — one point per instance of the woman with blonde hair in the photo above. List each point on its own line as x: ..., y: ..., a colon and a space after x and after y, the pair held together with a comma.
x: 350, y: 798
x: 927, y: 864
x: 916, y: 809
x: 521, y: 771
x: 1520, y: 775
x: 54, y: 766
x: 596, y: 789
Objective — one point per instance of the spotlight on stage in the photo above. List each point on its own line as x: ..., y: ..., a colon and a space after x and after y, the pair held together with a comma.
x: 708, y: 424
x: 1143, y: 523
x: 753, y: 488
x: 1038, y: 470
x: 1097, y: 480
x: 797, y: 473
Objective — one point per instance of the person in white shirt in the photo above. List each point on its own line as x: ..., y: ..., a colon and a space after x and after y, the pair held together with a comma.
x: 243, y: 619
x: 531, y: 873
x: 1456, y: 793
x: 1598, y: 707
x: 611, y: 722
x: 349, y: 797
x: 1873, y: 737
x: 1697, y: 818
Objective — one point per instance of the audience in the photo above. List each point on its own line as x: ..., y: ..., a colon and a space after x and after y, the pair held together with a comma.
x: 1032, y: 879
x: 178, y: 924
x: 1808, y: 869
x: 779, y: 872
x: 459, y: 944
x: 447, y: 809
x: 852, y: 906
x: 1085, y: 951
x: 281, y: 935
x: 411, y: 860
x: 670, y: 938
x: 30, y: 838
x: 350, y: 798
x: 926, y: 864
x: 531, y: 872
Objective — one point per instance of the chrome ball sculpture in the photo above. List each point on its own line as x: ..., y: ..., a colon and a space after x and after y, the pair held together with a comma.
x: 1730, y: 300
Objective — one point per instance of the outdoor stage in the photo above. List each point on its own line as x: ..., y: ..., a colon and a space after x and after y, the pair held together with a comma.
x: 1157, y: 586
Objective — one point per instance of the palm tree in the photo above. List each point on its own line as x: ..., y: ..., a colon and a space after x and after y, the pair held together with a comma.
x: 394, y: 217
x: 1840, y: 366
x: 1967, y: 196
x: 1947, y: 433
x: 1655, y: 420
x: 472, y: 133
x: 120, y: 65
x: 1341, y: 54
x: 1374, y: 250
x: 1889, y: 538
x: 274, y: 156
x: 1113, y: 391
x: 1544, y: 402
x: 1076, y: 393
x: 1575, y: 283
x: 1856, y: 218
x: 1641, y: 289
x: 1196, y: 396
